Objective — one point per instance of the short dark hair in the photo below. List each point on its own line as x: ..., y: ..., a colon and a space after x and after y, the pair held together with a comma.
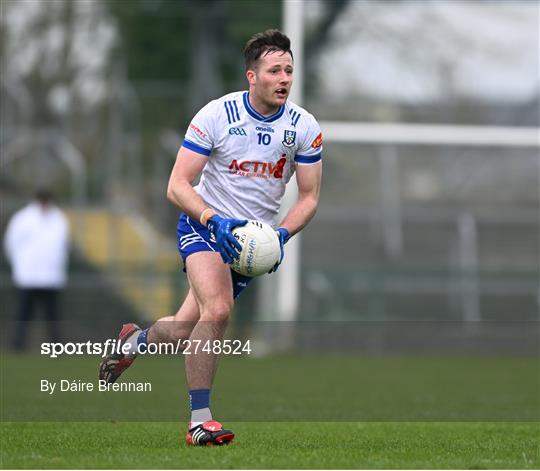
x: 44, y: 195
x: 262, y: 43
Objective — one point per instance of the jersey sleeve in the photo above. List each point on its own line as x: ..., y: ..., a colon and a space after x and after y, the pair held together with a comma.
x: 200, y: 134
x: 310, y: 145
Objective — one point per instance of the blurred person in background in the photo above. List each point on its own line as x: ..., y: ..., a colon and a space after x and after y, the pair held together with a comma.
x: 247, y: 145
x: 36, y: 244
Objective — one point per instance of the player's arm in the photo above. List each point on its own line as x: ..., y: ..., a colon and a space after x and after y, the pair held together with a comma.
x: 190, y: 161
x: 186, y: 170
x: 308, y: 179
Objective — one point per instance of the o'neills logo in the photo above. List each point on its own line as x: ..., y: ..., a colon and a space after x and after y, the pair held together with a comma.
x: 248, y: 168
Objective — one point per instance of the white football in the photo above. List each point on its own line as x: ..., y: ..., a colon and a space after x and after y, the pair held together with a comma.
x: 260, y: 248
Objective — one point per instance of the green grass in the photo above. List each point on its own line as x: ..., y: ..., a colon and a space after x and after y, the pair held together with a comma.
x: 274, y: 445
x: 288, y: 388
x: 289, y: 411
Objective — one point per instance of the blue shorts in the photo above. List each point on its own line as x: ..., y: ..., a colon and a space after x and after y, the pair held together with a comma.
x: 193, y: 237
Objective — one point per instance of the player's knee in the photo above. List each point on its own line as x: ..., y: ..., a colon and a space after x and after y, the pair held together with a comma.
x: 217, y: 311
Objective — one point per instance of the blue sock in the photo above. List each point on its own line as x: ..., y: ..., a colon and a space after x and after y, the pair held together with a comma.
x: 142, y: 340
x: 199, y: 399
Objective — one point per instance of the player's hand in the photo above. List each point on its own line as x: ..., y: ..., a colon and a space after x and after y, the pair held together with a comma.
x: 221, y: 229
x: 283, y: 235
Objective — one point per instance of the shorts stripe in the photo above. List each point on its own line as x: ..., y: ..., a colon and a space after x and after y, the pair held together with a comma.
x: 189, y: 237
x: 193, y: 229
x: 194, y: 237
x: 197, y: 241
x: 190, y: 240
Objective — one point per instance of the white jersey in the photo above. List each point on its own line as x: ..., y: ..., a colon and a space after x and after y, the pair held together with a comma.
x: 251, y: 157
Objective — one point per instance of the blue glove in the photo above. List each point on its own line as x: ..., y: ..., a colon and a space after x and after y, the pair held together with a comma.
x: 221, y: 229
x: 283, y: 235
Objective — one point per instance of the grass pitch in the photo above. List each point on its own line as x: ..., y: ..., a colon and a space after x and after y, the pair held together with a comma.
x: 274, y: 445
x: 291, y: 388
x: 296, y: 412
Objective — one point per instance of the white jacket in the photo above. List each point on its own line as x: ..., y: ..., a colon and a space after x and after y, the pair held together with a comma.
x: 37, y: 245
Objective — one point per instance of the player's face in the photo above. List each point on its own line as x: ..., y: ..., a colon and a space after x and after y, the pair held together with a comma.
x: 270, y: 84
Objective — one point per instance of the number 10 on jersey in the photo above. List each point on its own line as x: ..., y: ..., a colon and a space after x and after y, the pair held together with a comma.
x: 264, y: 138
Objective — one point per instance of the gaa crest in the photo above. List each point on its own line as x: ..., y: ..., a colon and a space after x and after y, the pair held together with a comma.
x: 289, y: 138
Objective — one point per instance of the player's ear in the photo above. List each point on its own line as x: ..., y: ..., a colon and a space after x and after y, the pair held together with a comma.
x: 251, y: 77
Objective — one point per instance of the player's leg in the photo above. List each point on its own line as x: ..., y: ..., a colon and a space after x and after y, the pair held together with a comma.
x: 166, y: 329
x: 211, y: 283
x: 170, y: 328
x: 177, y: 327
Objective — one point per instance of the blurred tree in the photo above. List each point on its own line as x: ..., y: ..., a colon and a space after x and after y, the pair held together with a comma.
x: 405, y: 60
x: 55, y: 80
x: 189, y: 49
x: 318, y: 36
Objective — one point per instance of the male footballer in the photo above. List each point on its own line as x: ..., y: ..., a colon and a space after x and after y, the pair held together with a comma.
x: 245, y: 147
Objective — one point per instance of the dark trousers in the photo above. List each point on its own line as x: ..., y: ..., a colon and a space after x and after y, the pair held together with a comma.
x: 28, y: 300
